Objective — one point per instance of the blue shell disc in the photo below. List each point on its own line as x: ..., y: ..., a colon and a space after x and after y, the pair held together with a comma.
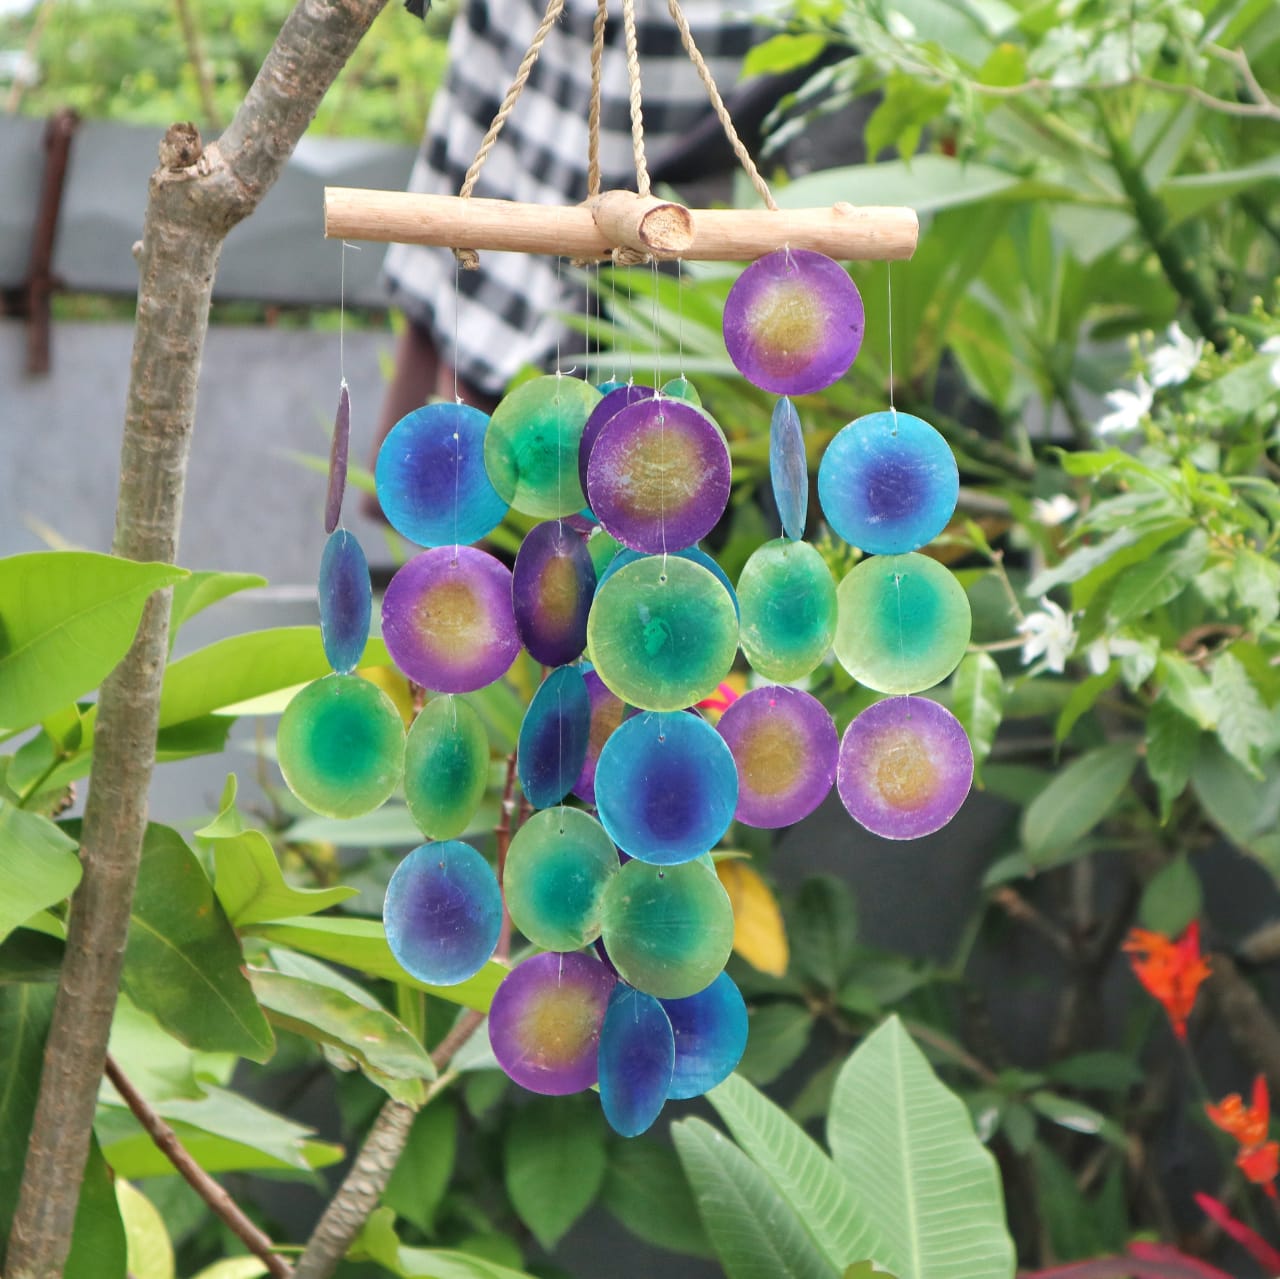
x: 789, y: 469
x: 552, y: 585
x: 443, y: 913
x: 666, y: 787
x: 431, y: 478
x: 694, y: 554
x: 554, y: 737
x: 637, y: 1057
x: 888, y: 483
x: 711, y: 1035
x: 346, y: 601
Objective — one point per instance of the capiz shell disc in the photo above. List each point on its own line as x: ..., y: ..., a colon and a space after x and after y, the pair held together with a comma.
x: 659, y: 475
x: 447, y: 619
x: 694, y: 554
x: 607, y: 712
x: 616, y: 398
x: 544, y: 1023
x: 339, y: 450
x: 710, y: 1031
x: 552, y: 746
x: 793, y: 322
x: 446, y: 767
x: 431, y: 479
x: 785, y: 746
x: 341, y: 746
x: 788, y: 602
x: 789, y: 468
x: 443, y: 913
x: 346, y: 601
x: 637, y: 1057
x: 666, y: 787
x: 888, y: 483
x: 531, y: 447
x: 662, y: 633
x: 905, y: 767
x: 551, y: 588
x: 667, y: 929
x: 904, y: 623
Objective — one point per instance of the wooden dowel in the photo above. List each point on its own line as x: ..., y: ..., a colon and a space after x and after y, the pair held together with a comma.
x: 845, y: 231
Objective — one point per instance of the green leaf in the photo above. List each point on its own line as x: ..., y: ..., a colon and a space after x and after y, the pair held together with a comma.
x: 38, y: 866
x: 1076, y: 1116
x: 387, y: 1053
x: 153, y: 1060
x: 1256, y: 582
x: 150, y: 1252
x: 825, y: 926
x: 1172, y: 740
x: 234, y: 1268
x: 908, y: 1148
x: 206, y: 587
x: 1245, y: 725
x: 1006, y: 66
x: 800, y: 1171
x: 977, y: 701
x: 781, y: 53
x: 1076, y: 800
x: 1082, y: 700
x: 1104, y: 1071
x: 362, y: 944
x: 247, y: 877
x: 777, y: 1034
x: 1241, y: 807
x: 99, y: 1249
x: 1155, y: 582
x: 27, y: 955
x: 756, y: 1233
x: 1172, y: 898
x: 66, y: 620
x: 421, y: 1175
x: 182, y: 962
x: 1187, y: 194
x: 553, y: 1161
x: 906, y: 107
x: 1187, y: 688
x: 441, y: 1263
x: 646, y: 1190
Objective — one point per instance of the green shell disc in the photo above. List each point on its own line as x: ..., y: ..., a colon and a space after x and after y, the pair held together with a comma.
x: 788, y: 602
x: 446, y: 766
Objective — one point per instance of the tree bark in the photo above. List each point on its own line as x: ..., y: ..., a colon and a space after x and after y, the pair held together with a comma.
x: 196, y: 197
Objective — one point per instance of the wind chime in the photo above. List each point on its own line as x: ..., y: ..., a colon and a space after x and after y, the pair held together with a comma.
x: 618, y: 891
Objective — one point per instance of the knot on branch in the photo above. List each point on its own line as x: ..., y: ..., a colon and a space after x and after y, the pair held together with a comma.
x: 181, y: 146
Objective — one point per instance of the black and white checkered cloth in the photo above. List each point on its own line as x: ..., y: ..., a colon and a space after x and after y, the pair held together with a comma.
x: 506, y: 312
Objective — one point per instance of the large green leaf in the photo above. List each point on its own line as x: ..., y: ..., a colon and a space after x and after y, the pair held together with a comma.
x: 66, y: 620
x: 1185, y: 195
x: 1243, y: 807
x: 150, y: 1250
x: 645, y: 1188
x: 1172, y: 740
x: 1245, y: 723
x: 977, y: 701
x: 38, y: 866
x: 824, y: 926
x: 756, y: 1233
x: 387, y: 1053
x: 1076, y: 800
x: 800, y: 1171
x: 182, y: 962
x: 1149, y: 585
x: 442, y: 1263
x: 908, y: 1148
x: 554, y: 1161
x: 362, y: 944
x: 204, y: 588
x: 421, y: 1175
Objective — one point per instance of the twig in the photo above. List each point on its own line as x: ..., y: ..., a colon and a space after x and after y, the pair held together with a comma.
x: 166, y: 1140
x: 199, y: 64
x: 503, y: 833
x: 1017, y: 907
x: 949, y: 1048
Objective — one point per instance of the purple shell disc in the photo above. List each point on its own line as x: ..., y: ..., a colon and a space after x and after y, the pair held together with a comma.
x: 447, y: 619
x: 637, y: 1057
x: 607, y: 712
x: 785, y: 746
x: 905, y: 767
x: 793, y: 322
x: 339, y: 450
x: 659, y: 475
x: 545, y: 1019
x: 552, y: 585
x: 613, y: 401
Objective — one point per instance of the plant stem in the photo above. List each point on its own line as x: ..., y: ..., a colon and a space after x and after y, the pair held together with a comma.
x: 210, y: 1191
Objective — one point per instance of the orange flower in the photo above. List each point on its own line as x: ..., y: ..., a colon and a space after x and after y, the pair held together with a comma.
x: 1169, y: 971
x: 1247, y: 1124
x: 1261, y: 1164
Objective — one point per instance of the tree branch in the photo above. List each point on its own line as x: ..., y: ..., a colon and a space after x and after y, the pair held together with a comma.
x: 195, y: 199
x: 1251, y: 1026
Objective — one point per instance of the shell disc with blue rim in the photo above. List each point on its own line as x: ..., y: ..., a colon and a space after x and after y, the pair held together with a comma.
x: 710, y: 1031
x: 888, y: 483
x: 693, y: 554
x: 637, y: 1057
x: 557, y: 867
x: 904, y: 623
x: 447, y: 619
x: 666, y: 787
x: 659, y: 475
x: 607, y: 712
x: 341, y: 746
x: 544, y: 1023
x: 662, y: 633
x: 346, y: 601
x: 785, y: 746
x: 614, y: 400
x: 443, y: 913
x: 789, y: 612
x: 667, y: 929
x: 531, y: 447
x: 553, y: 737
x: 551, y: 588
x: 446, y: 767
x: 793, y: 322
x: 431, y: 479
x: 789, y: 469
x: 905, y: 767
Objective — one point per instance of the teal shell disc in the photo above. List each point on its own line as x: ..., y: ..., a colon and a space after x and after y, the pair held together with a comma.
x: 788, y: 602
x: 446, y: 767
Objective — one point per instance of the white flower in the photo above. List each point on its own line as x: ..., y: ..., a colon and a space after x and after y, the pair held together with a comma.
x: 1101, y: 651
x: 1128, y: 408
x: 900, y: 25
x: 1173, y: 364
x: 1048, y: 633
x: 1272, y: 347
x: 1054, y: 511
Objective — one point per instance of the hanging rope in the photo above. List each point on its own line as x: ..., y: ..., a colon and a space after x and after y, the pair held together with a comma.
x: 633, y: 79
x: 593, y: 114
